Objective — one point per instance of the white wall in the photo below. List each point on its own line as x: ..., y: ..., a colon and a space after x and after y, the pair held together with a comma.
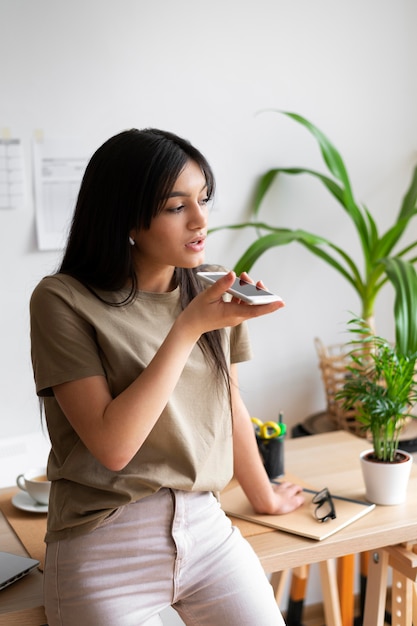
x: 92, y: 68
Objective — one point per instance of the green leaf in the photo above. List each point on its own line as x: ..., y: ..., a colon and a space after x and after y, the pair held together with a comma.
x: 408, y: 206
x: 330, y: 155
x: 404, y: 278
x: 361, y: 219
x: 314, y: 243
x: 262, y: 188
x: 387, y: 242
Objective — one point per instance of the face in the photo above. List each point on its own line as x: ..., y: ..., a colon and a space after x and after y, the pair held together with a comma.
x: 176, y: 237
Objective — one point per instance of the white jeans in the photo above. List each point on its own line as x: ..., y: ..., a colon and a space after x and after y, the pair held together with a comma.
x: 172, y: 548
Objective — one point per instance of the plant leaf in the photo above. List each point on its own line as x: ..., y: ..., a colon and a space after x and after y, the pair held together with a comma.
x: 330, y: 155
x: 364, y: 223
x: 404, y: 278
x: 388, y: 240
x: 314, y: 243
x: 262, y: 188
x: 408, y: 206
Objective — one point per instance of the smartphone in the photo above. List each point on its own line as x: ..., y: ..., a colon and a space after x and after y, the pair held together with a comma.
x: 242, y: 289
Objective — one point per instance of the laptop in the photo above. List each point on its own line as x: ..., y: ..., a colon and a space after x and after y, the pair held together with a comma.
x: 13, y: 567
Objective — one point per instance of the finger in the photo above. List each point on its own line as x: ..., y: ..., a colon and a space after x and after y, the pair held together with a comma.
x: 221, y: 285
x: 263, y: 309
x: 248, y: 279
x: 285, y: 485
x: 245, y: 276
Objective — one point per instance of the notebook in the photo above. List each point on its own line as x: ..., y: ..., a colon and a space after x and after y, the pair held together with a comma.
x: 301, y: 521
x: 13, y: 567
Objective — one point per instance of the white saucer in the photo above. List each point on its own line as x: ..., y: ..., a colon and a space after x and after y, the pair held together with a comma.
x: 24, y: 502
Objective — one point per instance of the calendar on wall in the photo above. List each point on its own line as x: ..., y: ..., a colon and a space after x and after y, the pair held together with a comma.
x: 12, y: 179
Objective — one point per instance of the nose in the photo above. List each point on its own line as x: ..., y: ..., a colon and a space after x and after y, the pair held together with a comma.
x: 198, y: 216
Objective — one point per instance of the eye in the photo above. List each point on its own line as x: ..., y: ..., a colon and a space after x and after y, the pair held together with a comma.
x: 205, y: 201
x: 176, y: 209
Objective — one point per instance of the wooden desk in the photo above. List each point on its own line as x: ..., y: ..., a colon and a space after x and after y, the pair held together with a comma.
x: 328, y: 460
x: 332, y: 460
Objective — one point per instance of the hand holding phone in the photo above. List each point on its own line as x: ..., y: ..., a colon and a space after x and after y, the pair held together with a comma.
x: 242, y: 289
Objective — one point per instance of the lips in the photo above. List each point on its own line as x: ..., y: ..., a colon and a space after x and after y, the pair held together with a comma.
x: 196, y: 244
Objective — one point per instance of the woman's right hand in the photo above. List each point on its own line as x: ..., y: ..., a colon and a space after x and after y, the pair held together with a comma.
x: 209, y: 311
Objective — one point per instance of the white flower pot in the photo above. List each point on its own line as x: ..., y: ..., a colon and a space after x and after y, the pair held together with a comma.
x: 386, y: 483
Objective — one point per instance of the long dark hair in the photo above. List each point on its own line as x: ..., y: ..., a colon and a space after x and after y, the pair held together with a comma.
x: 124, y: 187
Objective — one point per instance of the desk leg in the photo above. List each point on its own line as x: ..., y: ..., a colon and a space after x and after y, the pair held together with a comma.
x: 298, y: 588
x: 376, y: 589
x: 401, y: 605
x: 278, y: 581
x: 331, y: 601
x: 345, y: 583
x: 363, y: 577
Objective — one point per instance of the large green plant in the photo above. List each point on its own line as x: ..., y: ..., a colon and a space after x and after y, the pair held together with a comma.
x: 381, y: 386
x: 380, y: 251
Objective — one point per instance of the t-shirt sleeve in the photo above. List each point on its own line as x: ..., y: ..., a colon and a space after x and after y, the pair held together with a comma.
x: 63, y: 345
x: 240, y: 347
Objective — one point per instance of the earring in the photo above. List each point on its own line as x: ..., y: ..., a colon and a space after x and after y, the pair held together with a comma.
x: 131, y: 241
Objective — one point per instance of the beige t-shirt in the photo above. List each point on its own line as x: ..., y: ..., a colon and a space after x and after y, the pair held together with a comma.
x: 75, y: 335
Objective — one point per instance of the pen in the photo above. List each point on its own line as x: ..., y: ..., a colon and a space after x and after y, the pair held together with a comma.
x: 282, y: 426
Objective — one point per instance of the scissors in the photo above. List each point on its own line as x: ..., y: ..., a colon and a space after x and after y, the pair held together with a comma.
x: 267, y: 430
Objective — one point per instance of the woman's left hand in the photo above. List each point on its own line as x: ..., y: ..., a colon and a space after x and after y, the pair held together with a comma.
x: 288, y: 497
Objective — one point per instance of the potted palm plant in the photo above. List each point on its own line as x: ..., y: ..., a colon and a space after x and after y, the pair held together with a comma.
x: 383, y: 258
x: 381, y: 385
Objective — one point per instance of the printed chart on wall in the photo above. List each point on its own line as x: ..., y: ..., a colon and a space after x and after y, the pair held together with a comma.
x: 12, y: 179
x: 59, y: 165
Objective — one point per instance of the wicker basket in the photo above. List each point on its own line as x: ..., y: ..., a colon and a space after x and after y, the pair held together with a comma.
x: 332, y: 362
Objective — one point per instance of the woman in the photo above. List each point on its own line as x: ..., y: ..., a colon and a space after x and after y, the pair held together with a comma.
x: 136, y: 363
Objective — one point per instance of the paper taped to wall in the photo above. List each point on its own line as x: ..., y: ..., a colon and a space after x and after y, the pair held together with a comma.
x: 12, y: 178
x: 59, y: 165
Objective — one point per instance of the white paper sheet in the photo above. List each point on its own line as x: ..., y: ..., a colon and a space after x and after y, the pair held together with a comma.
x: 59, y: 165
x: 12, y: 178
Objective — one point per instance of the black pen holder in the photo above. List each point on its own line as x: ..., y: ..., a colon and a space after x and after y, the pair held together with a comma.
x: 272, y: 453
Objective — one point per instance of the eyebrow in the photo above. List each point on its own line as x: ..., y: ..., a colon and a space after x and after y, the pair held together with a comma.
x: 177, y: 194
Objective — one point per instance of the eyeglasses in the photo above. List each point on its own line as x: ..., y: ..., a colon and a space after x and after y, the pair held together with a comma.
x: 325, y: 508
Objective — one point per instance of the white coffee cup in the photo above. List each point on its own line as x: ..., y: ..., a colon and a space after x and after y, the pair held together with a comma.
x: 35, y: 482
